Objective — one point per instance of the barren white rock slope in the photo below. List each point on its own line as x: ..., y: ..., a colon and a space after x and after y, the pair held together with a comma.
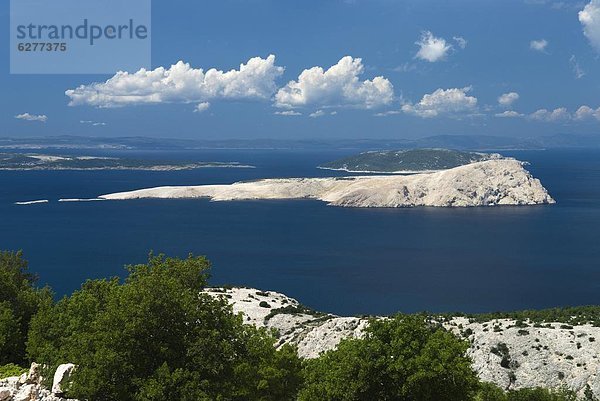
x: 313, y: 332
x: 551, y: 356
x: 487, y: 183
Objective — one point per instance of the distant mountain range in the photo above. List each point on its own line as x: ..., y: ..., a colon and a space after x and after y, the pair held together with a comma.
x: 457, y: 142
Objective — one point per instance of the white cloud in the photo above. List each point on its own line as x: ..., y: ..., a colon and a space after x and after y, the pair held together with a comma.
x: 339, y: 86
x: 431, y: 48
x: 559, y: 114
x: 590, y: 19
x: 538, y: 45
x: 318, y: 113
x: 388, y: 113
x: 202, y: 107
x: 93, y: 123
x: 32, y: 117
x: 509, y: 114
x: 587, y: 113
x: 443, y: 102
x: 460, y: 41
x: 507, y: 99
x: 288, y: 113
x: 181, y: 84
x: 577, y: 70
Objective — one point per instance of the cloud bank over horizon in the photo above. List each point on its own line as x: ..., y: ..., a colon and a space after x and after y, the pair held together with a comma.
x: 32, y: 117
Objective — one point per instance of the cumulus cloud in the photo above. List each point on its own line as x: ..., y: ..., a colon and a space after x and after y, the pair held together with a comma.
x: 181, y: 83
x: 559, y: 114
x: 288, y: 113
x: 443, y: 102
x: 509, y: 114
x: 587, y: 113
x: 590, y: 20
x: 32, y: 117
x: 507, y: 99
x: 538, y: 45
x: 431, y: 48
x: 338, y: 86
x: 202, y: 107
x: 93, y: 123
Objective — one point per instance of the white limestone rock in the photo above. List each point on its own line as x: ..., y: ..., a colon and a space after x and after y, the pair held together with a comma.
x: 27, y: 387
x: 553, y: 356
x: 5, y: 394
x: 487, y: 183
x: 61, y: 377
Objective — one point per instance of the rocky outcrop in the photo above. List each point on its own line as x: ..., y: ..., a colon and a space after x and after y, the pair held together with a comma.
x: 517, y: 355
x: 506, y: 352
x: 28, y: 386
x: 61, y: 377
x: 487, y: 183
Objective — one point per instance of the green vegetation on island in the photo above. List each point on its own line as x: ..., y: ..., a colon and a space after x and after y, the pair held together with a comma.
x: 409, y: 160
x: 156, y: 336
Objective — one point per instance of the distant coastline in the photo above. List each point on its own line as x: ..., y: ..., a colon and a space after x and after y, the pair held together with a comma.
x: 36, y: 161
x: 400, y: 172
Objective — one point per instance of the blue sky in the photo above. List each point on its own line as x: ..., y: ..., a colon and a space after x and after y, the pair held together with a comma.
x: 415, y: 68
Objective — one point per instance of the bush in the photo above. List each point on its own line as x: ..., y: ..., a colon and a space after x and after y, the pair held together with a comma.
x: 11, y: 370
x: 541, y: 394
x: 490, y: 392
x: 155, y: 337
x: 401, y: 358
x: 19, y: 301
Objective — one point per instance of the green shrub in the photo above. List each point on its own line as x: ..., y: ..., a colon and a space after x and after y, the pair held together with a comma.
x: 401, y: 358
x: 20, y: 299
x: 156, y: 337
x: 10, y: 370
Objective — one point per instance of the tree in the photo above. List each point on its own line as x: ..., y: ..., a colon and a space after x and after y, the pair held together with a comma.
x: 20, y: 299
x: 401, y: 358
x: 155, y: 336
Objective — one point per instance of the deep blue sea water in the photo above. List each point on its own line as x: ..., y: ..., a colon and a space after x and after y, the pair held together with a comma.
x: 341, y: 260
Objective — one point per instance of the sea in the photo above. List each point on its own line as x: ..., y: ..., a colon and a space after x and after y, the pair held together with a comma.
x: 347, y: 261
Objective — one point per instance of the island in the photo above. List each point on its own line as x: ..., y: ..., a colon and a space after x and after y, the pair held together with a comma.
x: 33, y: 161
x: 485, y: 183
x: 407, y: 161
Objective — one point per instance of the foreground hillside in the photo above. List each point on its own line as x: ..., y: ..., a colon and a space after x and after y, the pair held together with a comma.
x: 161, y: 334
x: 511, y: 353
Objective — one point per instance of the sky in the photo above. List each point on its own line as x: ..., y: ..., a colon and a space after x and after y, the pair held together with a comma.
x: 326, y: 69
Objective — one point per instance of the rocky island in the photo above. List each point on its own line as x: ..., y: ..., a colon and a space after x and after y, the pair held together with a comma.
x: 484, y: 183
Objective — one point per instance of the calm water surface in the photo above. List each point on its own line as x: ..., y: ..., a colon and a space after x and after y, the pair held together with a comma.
x: 346, y: 261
